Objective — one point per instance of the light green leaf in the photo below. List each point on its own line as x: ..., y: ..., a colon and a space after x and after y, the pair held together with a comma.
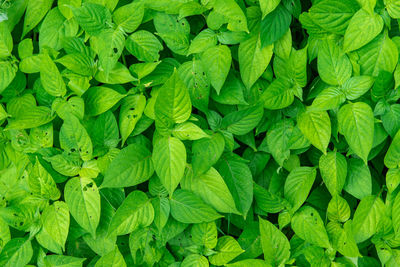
x: 362, y: 29
x: 267, y: 6
x: 232, y: 12
x: 358, y: 181
x: 206, y: 152
x: 93, y: 18
x: 195, y: 260
x: 392, y: 157
x: 335, y: 17
x: 186, y: 207
x: 129, y: 17
x: 51, y: 78
x: 55, y: 219
x: 132, y: 166
x: 217, y: 61
x: 226, y: 250
x: 333, y: 169
x: 356, y: 123
x: 36, y: 117
x: 205, y: 234
x: 329, y: 98
x: 64, y: 7
x: 204, y: 40
x: 99, y: 99
x: 342, y: 239
x: 338, y: 209
x: 367, y: 217
x: 243, y: 121
x: 169, y: 159
x: 144, y: 46
x: 7, y: 74
x: 113, y: 258
x: 6, y: 41
x: 63, y: 261
x: 131, y: 111
x: 83, y: 200
x: 17, y: 252
x: 74, y: 138
x: 380, y: 54
x: 188, y: 131
x: 308, y: 225
x: 334, y: 67
x: 393, y: 179
x: 298, y: 185
x: 278, y: 95
x: 357, y: 86
x: 35, y: 12
x: 275, y: 25
x: 274, y: 243
x: 212, y: 188
x: 316, y: 127
x: 253, y: 60
x: 393, y: 8
x: 41, y: 183
x: 135, y: 212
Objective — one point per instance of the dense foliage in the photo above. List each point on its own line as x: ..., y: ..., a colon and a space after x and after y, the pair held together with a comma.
x: 195, y: 133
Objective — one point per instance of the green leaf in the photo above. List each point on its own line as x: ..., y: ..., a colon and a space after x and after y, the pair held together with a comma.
x: 135, y: 212
x: 204, y: 40
x: 17, y: 252
x: 144, y: 46
x: 186, y: 207
x: 357, y: 86
x: 334, y: 66
x: 212, y: 189
x: 6, y: 41
x: 275, y: 244
x: 173, y: 31
x: 249, y: 263
x: 74, y: 138
x: 278, y: 95
x: 380, y: 54
x: 356, y: 123
x: 55, y: 219
x: 367, y: 217
x: 188, y: 131
x: 333, y: 169
x: 329, y: 98
x: 129, y: 17
x: 393, y: 179
x: 133, y: 165
x: 173, y: 103
x: 308, y: 225
x: 242, y: 121
x: 268, y: 6
x: 205, y: 234
x: 358, y: 181
x: 216, y: 62
x: 298, y: 185
x: 316, y: 127
x: 393, y: 8
x: 63, y: 261
x: 83, y: 200
x: 35, y: 12
x: 226, y: 250
x: 206, y: 152
x: 338, y: 209
x: 275, y: 25
x: 195, y: 260
x: 7, y: 74
x: 99, y: 99
x: 392, y: 157
x: 342, y: 239
x: 238, y: 178
x: 51, y: 78
x: 232, y: 12
x: 41, y: 183
x: 131, y: 111
x: 371, y: 25
x: 253, y: 60
x: 169, y: 159
x: 114, y: 259
x: 333, y: 16
x: 93, y: 18
x: 36, y: 117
